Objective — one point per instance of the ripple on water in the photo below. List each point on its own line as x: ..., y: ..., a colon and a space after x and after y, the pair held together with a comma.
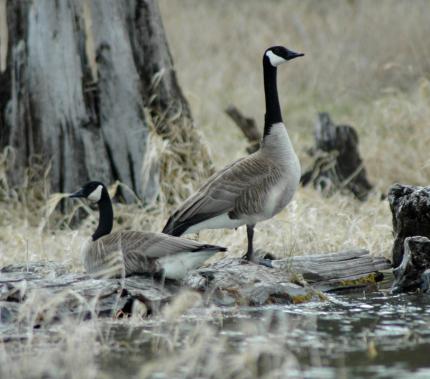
x: 355, y: 336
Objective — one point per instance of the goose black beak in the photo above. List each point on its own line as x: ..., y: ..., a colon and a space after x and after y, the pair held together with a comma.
x: 293, y: 54
x: 79, y: 193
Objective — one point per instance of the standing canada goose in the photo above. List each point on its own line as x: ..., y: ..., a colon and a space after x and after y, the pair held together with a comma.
x: 124, y: 253
x: 254, y: 188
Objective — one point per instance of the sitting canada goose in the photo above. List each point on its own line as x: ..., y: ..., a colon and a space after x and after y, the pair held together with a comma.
x: 254, y: 188
x: 124, y: 253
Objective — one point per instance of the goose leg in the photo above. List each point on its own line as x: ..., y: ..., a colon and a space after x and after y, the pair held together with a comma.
x: 249, y: 256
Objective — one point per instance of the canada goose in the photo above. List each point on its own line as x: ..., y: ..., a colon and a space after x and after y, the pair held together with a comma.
x: 124, y: 253
x: 254, y: 188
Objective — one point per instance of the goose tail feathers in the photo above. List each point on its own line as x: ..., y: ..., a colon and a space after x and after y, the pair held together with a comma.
x: 213, y: 248
x: 173, y: 229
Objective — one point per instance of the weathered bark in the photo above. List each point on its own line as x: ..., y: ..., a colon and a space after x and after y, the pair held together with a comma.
x: 414, y: 270
x: 248, y: 126
x: 338, y: 165
x: 52, y: 294
x: 79, y: 74
x: 410, y: 207
x: 160, y: 87
x: 230, y: 281
x: 18, y: 283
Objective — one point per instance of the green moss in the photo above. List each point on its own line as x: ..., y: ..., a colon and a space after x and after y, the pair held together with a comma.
x: 367, y: 279
x: 302, y: 298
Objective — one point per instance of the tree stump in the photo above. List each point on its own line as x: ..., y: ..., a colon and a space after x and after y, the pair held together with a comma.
x: 414, y: 270
x: 410, y: 207
x: 75, y: 81
x: 337, y: 163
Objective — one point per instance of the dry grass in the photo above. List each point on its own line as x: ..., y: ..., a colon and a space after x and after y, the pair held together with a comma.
x: 367, y: 63
x: 362, y: 65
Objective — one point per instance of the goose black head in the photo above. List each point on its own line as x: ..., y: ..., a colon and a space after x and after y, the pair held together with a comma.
x: 277, y: 55
x: 93, y: 191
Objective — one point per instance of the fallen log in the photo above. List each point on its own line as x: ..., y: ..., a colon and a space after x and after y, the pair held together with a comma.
x: 75, y: 291
x: 289, y: 280
x: 337, y: 163
x: 50, y: 293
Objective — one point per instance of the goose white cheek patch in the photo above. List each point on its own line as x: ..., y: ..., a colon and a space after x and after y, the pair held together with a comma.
x: 96, y: 194
x: 275, y: 60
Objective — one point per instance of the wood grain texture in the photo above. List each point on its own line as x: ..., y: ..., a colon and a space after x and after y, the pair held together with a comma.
x: 55, y: 293
x: 329, y: 272
x: 78, y: 77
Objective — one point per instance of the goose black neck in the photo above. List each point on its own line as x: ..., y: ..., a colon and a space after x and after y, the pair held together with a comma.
x: 273, y: 109
x: 105, y: 216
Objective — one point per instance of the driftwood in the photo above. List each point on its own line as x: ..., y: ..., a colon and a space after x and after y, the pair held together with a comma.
x: 49, y: 292
x: 414, y: 271
x: 410, y: 207
x: 43, y: 297
x: 46, y: 280
x: 290, y: 280
x: 337, y: 163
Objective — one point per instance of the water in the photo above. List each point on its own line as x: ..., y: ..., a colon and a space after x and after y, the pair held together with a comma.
x: 373, y: 336
x: 350, y: 336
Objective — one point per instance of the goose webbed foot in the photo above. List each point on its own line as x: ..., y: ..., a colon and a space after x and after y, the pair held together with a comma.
x: 250, y: 257
x: 267, y: 262
x: 250, y: 254
x: 247, y: 258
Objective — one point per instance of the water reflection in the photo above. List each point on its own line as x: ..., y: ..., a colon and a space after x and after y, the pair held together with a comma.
x: 356, y: 336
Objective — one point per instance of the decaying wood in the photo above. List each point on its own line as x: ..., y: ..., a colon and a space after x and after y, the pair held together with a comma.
x: 336, y: 271
x: 231, y: 280
x: 42, y: 293
x: 78, y: 76
x: 248, y: 126
x: 72, y: 293
x: 410, y: 208
x: 234, y: 282
x: 337, y: 163
x: 414, y: 270
x: 46, y: 292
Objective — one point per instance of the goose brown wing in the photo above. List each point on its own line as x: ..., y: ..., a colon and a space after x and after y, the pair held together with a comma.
x: 160, y: 244
x: 150, y: 245
x: 233, y: 191
x: 140, y: 249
